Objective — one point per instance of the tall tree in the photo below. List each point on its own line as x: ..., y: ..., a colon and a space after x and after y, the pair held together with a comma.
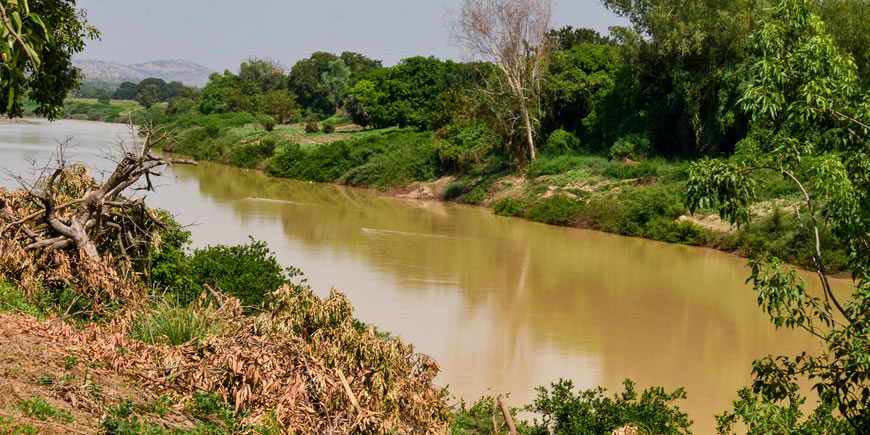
x: 513, y: 34
x: 333, y: 81
x: 305, y: 82
x: 37, y: 42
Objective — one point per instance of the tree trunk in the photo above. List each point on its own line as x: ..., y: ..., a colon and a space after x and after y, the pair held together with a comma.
x: 512, y: 429
x: 528, y: 122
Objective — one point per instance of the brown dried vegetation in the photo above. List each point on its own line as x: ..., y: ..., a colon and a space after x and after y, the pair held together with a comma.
x: 302, y: 360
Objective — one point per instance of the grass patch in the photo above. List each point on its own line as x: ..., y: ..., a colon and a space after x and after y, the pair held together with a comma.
x: 39, y: 409
x: 173, y: 325
x: 9, y: 427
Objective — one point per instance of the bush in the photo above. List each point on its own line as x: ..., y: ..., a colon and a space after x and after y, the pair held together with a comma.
x: 592, y: 412
x: 311, y: 126
x: 561, y: 141
x: 649, y: 212
x: 455, y: 189
x: 268, y: 144
x: 476, y: 196
x: 509, y: 207
x: 633, y: 146
x: 247, y: 272
x: 267, y: 122
x: 104, y: 99
x: 328, y: 128
x: 465, y: 143
x: 247, y: 155
x: 378, y: 161
x: 555, y: 210
x: 620, y: 171
x: 478, y: 419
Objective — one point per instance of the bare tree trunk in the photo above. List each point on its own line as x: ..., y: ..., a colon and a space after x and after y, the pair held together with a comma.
x: 528, y: 122
x: 512, y: 429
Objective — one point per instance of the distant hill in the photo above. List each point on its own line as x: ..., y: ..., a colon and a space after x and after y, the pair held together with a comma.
x: 184, y: 71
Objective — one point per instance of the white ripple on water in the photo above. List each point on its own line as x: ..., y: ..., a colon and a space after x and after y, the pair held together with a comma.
x: 374, y: 231
x: 281, y: 201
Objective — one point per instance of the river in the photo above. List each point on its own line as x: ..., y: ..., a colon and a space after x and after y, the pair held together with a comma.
x: 502, y: 304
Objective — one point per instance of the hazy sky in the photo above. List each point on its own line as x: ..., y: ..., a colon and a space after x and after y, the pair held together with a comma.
x: 222, y: 33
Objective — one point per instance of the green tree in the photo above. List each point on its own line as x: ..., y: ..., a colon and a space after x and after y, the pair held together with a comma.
x: 305, y: 82
x: 333, y: 81
x: 567, y: 37
x: 126, y: 91
x: 801, y: 86
x: 847, y: 22
x: 577, y: 83
x: 265, y: 75
x: 281, y: 104
x: 37, y: 42
x: 406, y: 94
x: 359, y: 64
x: 103, y: 97
x: 151, y: 91
x: 679, y: 74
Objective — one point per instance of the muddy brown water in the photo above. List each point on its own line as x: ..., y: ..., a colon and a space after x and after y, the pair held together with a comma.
x: 502, y: 304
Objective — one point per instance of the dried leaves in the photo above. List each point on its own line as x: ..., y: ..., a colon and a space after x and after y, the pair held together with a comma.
x: 301, y: 361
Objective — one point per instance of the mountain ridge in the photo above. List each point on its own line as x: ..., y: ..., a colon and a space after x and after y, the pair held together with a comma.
x: 188, y: 72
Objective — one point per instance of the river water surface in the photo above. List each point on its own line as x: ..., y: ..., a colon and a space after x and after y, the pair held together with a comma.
x: 502, y: 304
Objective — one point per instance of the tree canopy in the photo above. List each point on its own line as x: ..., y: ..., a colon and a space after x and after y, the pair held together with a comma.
x: 37, y: 41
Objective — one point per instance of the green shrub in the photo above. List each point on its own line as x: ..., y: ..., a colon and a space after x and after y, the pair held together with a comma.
x: 463, y: 144
x: 311, y: 127
x: 247, y: 155
x: 620, y: 171
x: 555, y: 210
x: 268, y: 144
x: 267, y: 122
x: 478, y: 419
x: 509, y: 207
x: 633, y: 146
x: 328, y: 128
x: 380, y: 161
x: 634, y: 211
x: 247, y: 272
x: 561, y: 141
x: 476, y: 196
x: 284, y: 164
x: 455, y: 189
x: 592, y: 412
x: 779, y: 233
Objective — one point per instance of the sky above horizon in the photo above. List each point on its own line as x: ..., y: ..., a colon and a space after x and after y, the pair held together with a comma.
x: 220, y: 34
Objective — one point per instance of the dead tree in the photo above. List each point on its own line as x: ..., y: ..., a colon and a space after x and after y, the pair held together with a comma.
x: 77, y: 223
x: 513, y: 34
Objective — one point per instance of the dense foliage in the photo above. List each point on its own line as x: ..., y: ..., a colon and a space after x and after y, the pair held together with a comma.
x: 801, y: 87
x: 37, y: 41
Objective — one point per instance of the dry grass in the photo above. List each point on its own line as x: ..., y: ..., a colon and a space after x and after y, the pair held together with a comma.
x: 302, y: 361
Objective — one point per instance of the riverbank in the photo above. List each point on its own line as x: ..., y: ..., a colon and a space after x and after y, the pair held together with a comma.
x: 639, y: 199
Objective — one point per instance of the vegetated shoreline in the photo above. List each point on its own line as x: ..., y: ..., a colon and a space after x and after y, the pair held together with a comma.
x: 636, y: 199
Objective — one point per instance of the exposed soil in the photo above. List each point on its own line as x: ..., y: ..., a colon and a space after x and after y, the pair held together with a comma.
x: 36, y: 363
